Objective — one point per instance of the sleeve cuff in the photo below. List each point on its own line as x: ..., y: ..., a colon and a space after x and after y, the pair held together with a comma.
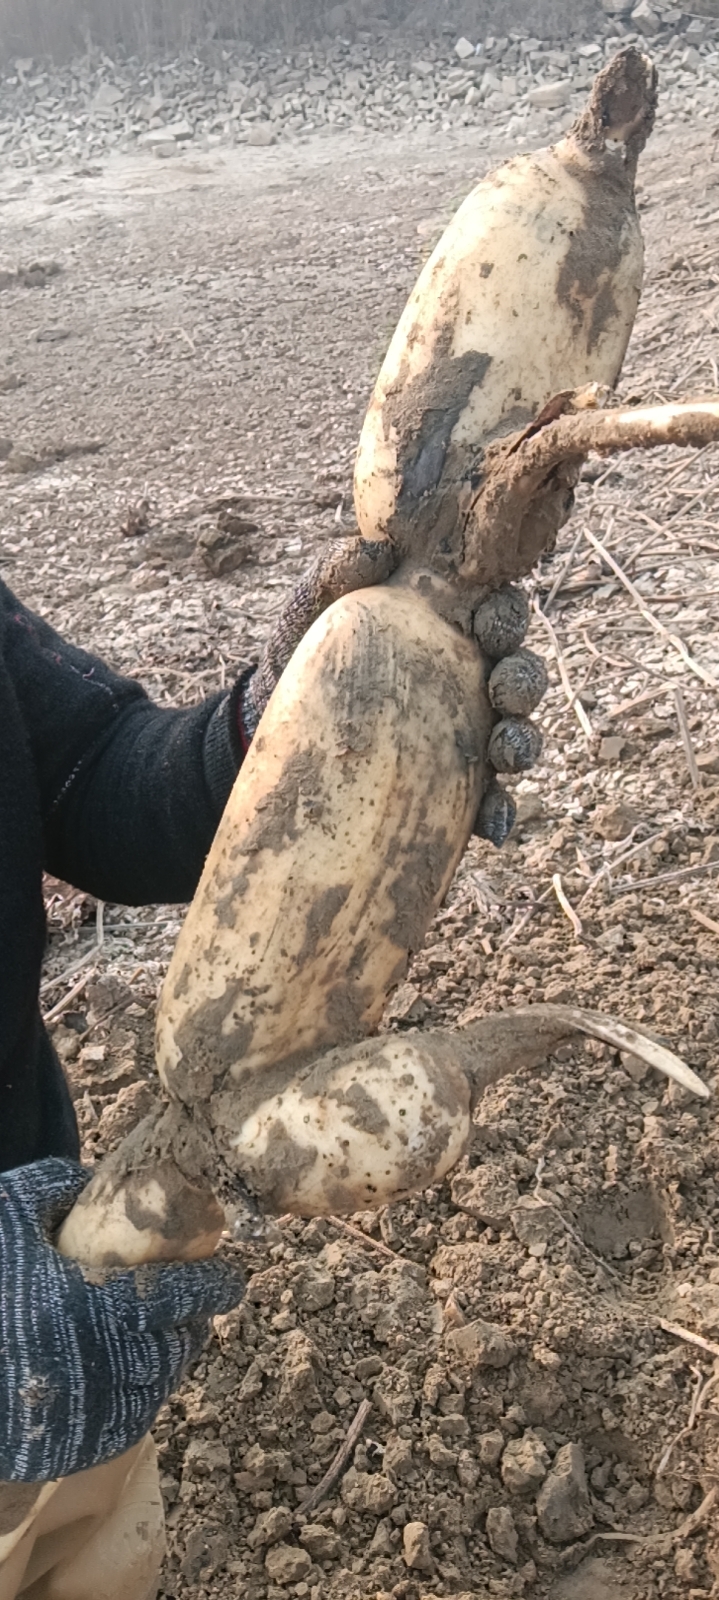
x: 225, y: 748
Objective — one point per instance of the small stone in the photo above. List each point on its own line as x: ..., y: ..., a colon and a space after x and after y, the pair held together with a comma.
x: 321, y: 1542
x: 260, y: 134
x: 370, y: 1492
x: 203, y: 1457
x: 524, y: 1464
x: 550, y: 96
x: 490, y: 1447
x: 439, y: 1454
x: 270, y: 1527
x: 397, y: 1459
x: 487, y: 1193
x: 708, y: 760
x: 617, y: 8
x: 534, y: 1222
x: 530, y: 808
x: 464, y: 49
x: 165, y: 151
x: 406, y: 1005
x: 563, y: 1508
x: 131, y: 1104
x: 480, y: 1344
x: 468, y: 1473
x: 686, y: 1566
x: 313, y: 1289
x: 645, y: 20
x: 285, y: 1564
x: 415, y: 1547
x: 502, y: 1533
x: 611, y: 749
x: 633, y: 1065
x: 223, y: 550
x: 323, y: 1422
x: 614, y: 821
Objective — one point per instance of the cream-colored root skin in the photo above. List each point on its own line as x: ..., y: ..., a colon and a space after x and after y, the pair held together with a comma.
x: 359, y: 1128
x: 339, y: 841
x: 533, y: 288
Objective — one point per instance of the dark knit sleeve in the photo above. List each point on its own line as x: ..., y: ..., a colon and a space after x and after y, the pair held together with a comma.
x: 131, y: 793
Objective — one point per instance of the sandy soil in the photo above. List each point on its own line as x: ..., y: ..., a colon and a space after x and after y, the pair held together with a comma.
x: 214, y: 328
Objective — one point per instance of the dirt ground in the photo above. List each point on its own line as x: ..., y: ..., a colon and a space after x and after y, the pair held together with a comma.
x: 205, y: 352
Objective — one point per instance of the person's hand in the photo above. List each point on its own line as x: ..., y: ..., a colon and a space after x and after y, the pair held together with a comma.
x: 87, y: 1362
x: 516, y: 684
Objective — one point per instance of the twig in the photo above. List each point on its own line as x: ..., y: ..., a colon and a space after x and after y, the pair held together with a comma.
x: 608, y: 1533
x: 52, y: 983
x: 88, y: 956
x: 608, y: 867
x: 706, y: 922
x: 672, y: 638
x: 371, y: 1244
x: 639, y: 700
x: 689, y: 1338
x: 518, y: 927
x: 573, y: 700
x: 696, y: 1519
x: 682, y: 876
x: 568, y: 910
x: 336, y: 1466
x: 702, y: 1389
x: 686, y: 737
x: 67, y: 999
x: 564, y: 573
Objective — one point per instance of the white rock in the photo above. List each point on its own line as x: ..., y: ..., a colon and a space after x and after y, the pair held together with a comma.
x: 550, y: 96
x: 155, y: 136
x: 645, y: 20
x: 509, y: 88
x: 261, y: 134
x: 464, y: 49
x: 105, y: 98
x: 617, y: 8
x: 179, y: 131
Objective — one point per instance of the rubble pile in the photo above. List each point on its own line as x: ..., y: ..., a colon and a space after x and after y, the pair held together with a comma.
x: 518, y: 86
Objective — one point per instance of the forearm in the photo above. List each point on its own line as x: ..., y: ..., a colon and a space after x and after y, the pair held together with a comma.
x: 135, y: 822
